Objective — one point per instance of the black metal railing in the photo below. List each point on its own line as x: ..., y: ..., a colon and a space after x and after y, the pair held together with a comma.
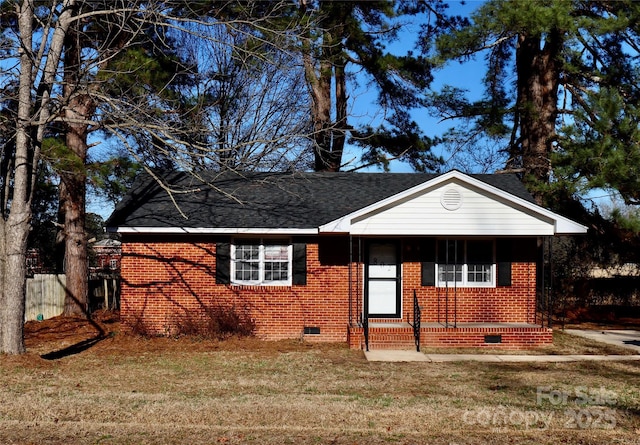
x: 417, y: 314
x: 365, y: 328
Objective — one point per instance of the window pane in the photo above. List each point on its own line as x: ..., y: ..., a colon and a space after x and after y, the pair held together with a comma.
x: 479, y: 273
x: 272, y: 253
x: 247, y: 271
x: 449, y: 273
x: 276, y: 271
x: 247, y: 253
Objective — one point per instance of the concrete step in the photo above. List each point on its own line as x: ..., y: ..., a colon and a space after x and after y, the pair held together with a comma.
x: 391, y: 338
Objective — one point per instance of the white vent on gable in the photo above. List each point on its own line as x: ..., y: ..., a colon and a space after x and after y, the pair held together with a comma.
x: 451, y: 198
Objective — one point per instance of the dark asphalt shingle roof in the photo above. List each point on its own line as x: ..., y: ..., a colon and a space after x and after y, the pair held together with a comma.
x: 268, y: 200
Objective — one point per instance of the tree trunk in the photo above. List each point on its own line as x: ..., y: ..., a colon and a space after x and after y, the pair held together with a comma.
x: 320, y: 88
x: 538, y: 70
x: 329, y: 136
x: 72, y: 192
x: 80, y: 108
x: 76, y: 267
x: 16, y: 230
x: 340, y: 130
x: 16, y: 217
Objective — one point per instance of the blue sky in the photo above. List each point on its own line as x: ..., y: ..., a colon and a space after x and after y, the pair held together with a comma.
x: 466, y: 75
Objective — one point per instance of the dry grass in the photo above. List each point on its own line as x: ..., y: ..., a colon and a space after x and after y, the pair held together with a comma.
x: 126, y: 390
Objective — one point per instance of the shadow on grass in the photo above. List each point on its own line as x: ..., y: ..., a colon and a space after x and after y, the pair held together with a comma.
x: 74, y: 349
x: 80, y: 346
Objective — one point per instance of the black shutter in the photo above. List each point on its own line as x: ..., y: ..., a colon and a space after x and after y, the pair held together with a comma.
x: 504, y: 273
x: 428, y: 273
x: 503, y: 257
x: 223, y: 263
x: 428, y: 254
x: 300, y: 264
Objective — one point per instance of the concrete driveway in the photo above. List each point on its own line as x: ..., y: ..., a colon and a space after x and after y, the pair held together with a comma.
x: 625, y: 338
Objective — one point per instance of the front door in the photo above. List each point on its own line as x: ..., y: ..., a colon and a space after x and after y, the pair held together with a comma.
x: 382, y: 279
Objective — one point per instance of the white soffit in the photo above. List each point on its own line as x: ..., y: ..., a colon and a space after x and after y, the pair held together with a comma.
x: 505, y: 214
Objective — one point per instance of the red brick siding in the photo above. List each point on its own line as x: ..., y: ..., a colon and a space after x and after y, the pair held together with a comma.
x: 500, y: 304
x: 163, y: 278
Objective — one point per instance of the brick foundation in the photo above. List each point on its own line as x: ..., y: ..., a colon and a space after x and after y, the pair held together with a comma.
x: 463, y: 337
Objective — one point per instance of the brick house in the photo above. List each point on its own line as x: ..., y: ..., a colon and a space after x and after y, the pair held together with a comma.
x: 108, y: 255
x: 371, y: 259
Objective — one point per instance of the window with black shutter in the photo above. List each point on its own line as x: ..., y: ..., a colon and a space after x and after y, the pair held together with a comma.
x: 465, y: 263
x: 261, y: 262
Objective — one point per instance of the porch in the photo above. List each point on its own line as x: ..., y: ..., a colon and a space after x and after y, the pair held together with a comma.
x: 411, y: 292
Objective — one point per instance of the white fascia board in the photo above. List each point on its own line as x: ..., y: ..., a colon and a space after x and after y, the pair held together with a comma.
x: 562, y: 225
x: 213, y: 231
x: 459, y: 233
x: 566, y: 226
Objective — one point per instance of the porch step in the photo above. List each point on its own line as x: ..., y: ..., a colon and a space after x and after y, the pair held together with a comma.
x: 390, y: 336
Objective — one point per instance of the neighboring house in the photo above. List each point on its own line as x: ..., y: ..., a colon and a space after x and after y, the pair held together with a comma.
x: 340, y: 256
x: 104, y: 274
x: 34, y: 262
x: 108, y: 254
x: 612, y: 290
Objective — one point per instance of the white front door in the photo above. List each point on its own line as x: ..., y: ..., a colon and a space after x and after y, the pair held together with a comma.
x: 383, y: 280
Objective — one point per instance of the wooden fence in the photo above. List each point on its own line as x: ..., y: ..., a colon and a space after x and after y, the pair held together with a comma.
x: 45, y: 296
x: 46, y: 292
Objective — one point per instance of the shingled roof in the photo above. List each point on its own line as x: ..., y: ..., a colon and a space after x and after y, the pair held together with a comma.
x: 268, y: 200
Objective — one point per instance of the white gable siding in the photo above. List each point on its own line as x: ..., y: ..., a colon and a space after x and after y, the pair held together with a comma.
x: 479, y: 214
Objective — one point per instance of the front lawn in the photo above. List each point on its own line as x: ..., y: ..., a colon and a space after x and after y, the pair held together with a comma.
x: 125, y: 390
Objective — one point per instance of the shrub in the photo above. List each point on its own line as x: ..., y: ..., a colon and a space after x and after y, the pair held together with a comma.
x: 214, y: 322
x: 138, y: 327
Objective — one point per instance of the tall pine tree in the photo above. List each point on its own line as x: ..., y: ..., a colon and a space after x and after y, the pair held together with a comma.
x: 561, y: 91
x: 350, y: 37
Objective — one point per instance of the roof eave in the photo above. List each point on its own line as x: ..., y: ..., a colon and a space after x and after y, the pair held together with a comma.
x: 565, y: 226
x: 213, y: 230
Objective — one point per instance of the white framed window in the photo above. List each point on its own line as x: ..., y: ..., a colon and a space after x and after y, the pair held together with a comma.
x: 466, y: 263
x: 263, y: 262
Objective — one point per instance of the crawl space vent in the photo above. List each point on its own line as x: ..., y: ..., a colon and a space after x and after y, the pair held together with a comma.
x: 493, y: 339
x: 451, y: 199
